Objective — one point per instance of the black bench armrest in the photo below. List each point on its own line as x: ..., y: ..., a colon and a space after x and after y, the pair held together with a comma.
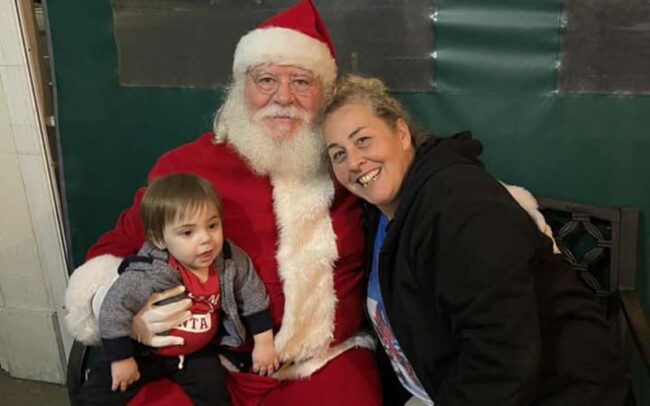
x: 638, y: 324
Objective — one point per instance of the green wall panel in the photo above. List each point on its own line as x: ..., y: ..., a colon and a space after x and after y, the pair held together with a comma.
x: 496, y: 47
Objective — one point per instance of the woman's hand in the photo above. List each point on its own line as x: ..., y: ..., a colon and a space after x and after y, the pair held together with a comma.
x: 265, y: 361
x: 154, y: 319
x: 124, y: 372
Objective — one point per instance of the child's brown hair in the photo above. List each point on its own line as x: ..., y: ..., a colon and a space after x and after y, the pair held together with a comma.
x: 171, y: 197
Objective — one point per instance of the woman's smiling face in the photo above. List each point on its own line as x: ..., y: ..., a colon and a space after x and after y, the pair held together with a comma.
x: 368, y: 157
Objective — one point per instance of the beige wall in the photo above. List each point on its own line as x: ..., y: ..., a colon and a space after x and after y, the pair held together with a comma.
x: 32, y: 267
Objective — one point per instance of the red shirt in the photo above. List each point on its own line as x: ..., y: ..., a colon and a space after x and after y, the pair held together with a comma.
x: 199, y: 329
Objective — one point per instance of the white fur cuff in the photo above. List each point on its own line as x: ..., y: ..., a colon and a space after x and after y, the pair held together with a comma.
x: 301, y: 370
x: 94, y: 275
x: 529, y: 203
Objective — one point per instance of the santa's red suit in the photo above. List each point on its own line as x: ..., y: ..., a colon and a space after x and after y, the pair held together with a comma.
x: 345, y: 374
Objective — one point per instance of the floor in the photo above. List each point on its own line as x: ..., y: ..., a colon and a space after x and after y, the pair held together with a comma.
x: 20, y: 392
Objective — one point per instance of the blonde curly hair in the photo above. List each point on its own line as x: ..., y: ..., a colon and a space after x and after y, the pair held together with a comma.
x: 373, y: 93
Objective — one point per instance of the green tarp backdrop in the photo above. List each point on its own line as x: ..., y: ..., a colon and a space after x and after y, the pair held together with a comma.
x: 497, y: 71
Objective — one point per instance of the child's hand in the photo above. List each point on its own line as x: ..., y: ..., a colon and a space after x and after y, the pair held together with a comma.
x: 265, y: 361
x: 124, y: 372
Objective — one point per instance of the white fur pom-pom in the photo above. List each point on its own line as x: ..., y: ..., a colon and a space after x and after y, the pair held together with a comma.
x: 94, y: 275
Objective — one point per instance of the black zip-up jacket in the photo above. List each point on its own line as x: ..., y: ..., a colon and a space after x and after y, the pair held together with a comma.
x: 482, y: 308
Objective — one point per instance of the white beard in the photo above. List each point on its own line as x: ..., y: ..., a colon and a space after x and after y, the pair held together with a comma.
x: 269, y: 154
x: 306, y: 246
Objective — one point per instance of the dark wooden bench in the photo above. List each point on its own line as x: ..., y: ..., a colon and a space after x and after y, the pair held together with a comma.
x: 602, y: 245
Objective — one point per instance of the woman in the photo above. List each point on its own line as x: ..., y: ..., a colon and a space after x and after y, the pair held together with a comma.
x: 465, y: 293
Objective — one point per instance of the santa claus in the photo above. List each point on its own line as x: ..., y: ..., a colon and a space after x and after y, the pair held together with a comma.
x: 281, y: 206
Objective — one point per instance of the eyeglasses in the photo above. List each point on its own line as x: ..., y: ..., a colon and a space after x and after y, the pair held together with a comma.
x: 268, y: 83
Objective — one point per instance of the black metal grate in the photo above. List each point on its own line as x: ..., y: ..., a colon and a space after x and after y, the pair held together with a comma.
x: 586, y: 244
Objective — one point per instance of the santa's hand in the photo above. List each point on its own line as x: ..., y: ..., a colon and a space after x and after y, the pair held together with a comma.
x: 154, y: 319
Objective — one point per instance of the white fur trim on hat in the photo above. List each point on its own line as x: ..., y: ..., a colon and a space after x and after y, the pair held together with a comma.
x: 96, y: 274
x: 285, y: 47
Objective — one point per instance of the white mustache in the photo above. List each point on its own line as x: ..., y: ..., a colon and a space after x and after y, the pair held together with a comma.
x: 279, y: 111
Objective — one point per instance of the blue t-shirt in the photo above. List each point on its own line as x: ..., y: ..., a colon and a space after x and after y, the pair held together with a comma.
x: 380, y: 322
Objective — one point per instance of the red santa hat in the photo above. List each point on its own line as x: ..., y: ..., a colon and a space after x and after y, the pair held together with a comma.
x: 296, y: 36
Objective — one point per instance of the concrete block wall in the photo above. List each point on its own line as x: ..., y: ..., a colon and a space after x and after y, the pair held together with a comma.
x: 33, y: 274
